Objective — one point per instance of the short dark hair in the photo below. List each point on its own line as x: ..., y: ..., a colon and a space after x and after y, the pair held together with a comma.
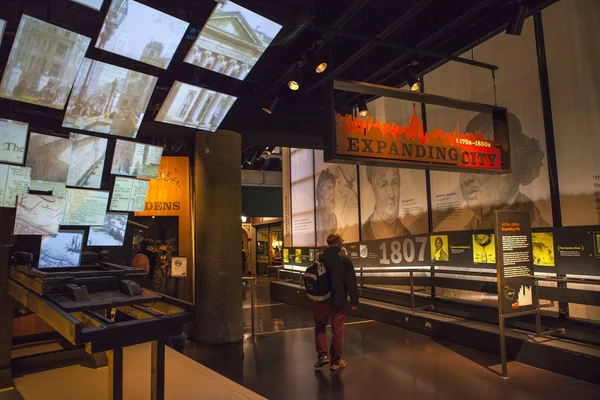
x: 333, y: 238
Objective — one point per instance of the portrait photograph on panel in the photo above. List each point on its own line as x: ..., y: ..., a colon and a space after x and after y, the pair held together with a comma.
x: 232, y: 40
x: 136, y: 159
x: 49, y: 158
x: 61, y: 250
x: 43, y: 63
x: 152, y: 41
x: 484, y: 248
x: 38, y: 215
x: 108, y: 99
x: 112, y: 233
x: 13, y: 137
x: 195, y: 107
x: 336, y: 199
x: 439, y: 247
x: 87, y: 161
x: 94, y: 4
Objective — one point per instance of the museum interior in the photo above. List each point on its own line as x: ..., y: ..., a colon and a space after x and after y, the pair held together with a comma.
x: 446, y: 143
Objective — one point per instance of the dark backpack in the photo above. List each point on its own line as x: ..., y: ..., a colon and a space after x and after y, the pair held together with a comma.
x: 316, y: 282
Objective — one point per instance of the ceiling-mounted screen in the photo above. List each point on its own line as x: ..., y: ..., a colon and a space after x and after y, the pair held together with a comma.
x: 38, y: 215
x: 87, y: 161
x: 232, y: 40
x: 49, y: 158
x: 14, y: 181
x: 108, y: 99
x: 129, y: 194
x: 136, y: 31
x: 43, y: 63
x: 194, y: 107
x: 85, y: 207
x: 2, y: 27
x: 95, y: 4
x: 61, y: 250
x: 136, y: 159
x: 112, y: 233
x: 13, y: 137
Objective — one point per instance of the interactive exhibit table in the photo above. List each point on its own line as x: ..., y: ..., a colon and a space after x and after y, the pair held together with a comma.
x: 78, y: 303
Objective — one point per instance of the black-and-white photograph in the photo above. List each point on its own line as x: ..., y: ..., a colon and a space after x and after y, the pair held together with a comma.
x: 87, y: 161
x: 13, y: 137
x: 136, y: 159
x: 112, y: 233
x: 94, y: 4
x: 108, y: 99
x: 38, y: 215
x: 43, y: 63
x: 195, y: 107
x: 153, y: 41
x: 2, y: 27
x: 232, y: 40
x: 61, y: 250
x: 49, y: 158
x: 336, y: 199
x: 380, y: 202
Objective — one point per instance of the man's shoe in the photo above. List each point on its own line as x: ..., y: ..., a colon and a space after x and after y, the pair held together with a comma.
x: 338, y: 365
x: 322, y: 361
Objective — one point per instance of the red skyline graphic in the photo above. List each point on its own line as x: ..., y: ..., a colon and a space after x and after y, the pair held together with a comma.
x: 414, y: 130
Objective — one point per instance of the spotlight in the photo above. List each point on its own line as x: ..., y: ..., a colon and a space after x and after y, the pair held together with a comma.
x: 296, y: 79
x: 269, y: 110
x: 412, y: 81
x: 515, y: 25
x: 318, y: 61
x: 363, y: 111
x: 269, y: 150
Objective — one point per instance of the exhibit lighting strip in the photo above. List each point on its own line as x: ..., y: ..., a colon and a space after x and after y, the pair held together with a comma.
x: 397, y: 274
x: 467, y: 277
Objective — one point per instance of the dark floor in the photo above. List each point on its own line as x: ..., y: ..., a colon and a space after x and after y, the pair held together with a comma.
x: 384, y: 362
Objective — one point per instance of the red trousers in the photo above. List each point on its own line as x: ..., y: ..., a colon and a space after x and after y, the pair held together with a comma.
x: 321, y: 317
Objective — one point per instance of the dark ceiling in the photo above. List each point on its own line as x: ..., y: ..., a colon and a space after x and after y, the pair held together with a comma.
x: 365, y: 40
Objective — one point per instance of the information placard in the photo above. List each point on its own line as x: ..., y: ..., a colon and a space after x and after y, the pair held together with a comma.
x: 129, y: 194
x: 85, y: 207
x: 14, y: 181
x: 179, y: 267
x: 514, y: 262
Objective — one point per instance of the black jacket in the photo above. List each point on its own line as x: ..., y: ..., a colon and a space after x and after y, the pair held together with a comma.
x: 342, y: 276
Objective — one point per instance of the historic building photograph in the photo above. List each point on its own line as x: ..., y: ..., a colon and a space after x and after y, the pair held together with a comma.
x: 195, y: 107
x: 232, y: 40
x: 43, y: 63
x: 108, y: 99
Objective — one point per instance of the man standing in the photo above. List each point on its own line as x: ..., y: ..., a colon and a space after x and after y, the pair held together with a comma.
x: 343, y: 284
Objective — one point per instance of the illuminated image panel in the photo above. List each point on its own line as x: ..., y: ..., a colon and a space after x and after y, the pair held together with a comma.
x: 87, y: 161
x: 61, y: 250
x: 232, y: 40
x: 108, y: 99
x: 112, y: 233
x: 49, y: 158
x: 152, y: 41
x: 136, y: 159
x: 43, y: 63
x: 13, y: 136
x: 2, y: 27
x: 195, y: 107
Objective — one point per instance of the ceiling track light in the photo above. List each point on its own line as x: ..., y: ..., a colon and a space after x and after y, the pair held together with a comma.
x: 363, y: 111
x: 412, y: 80
x: 515, y: 24
x: 317, y: 61
x: 271, y: 107
x: 296, y: 78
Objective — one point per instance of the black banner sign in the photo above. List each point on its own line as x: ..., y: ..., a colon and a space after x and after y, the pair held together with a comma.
x: 396, y: 252
x: 514, y: 262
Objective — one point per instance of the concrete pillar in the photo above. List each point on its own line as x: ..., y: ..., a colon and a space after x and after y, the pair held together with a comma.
x: 218, y: 207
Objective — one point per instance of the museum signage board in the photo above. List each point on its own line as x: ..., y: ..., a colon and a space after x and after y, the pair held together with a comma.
x: 514, y: 262
x: 374, y: 141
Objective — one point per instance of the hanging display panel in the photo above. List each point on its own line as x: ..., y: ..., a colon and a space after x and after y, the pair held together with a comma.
x: 61, y: 250
x: 232, y: 40
x: 136, y: 159
x: 112, y: 233
x: 13, y: 136
x: 14, y: 181
x: 43, y: 63
x: 303, y: 197
x: 49, y: 158
x: 38, y: 215
x: 134, y: 30
x: 87, y: 161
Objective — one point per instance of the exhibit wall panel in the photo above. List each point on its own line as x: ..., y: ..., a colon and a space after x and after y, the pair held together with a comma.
x: 303, y: 197
x: 169, y: 195
x: 287, y: 197
x: 466, y: 201
x: 573, y: 56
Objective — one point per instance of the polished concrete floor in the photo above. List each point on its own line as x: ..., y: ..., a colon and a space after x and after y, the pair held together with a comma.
x: 384, y: 362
